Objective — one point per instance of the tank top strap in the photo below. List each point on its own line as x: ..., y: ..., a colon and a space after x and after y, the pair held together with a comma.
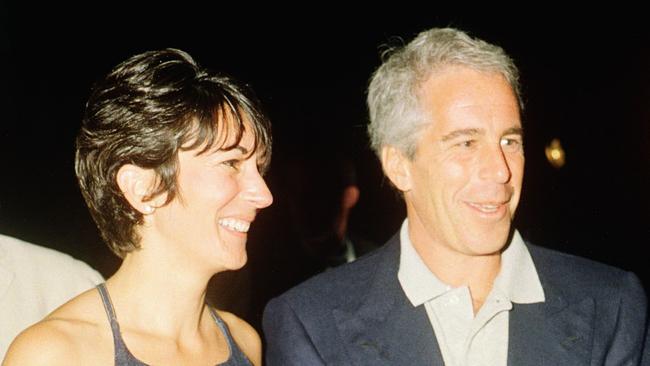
x: 123, y: 356
x: 237, y: 357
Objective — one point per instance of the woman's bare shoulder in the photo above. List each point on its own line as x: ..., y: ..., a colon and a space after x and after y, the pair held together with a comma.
x: 68, y: 335
x: 47, y: 342
x: 244, y: 335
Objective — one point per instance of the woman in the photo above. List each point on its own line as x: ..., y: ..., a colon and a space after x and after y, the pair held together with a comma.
x: 168, y: 159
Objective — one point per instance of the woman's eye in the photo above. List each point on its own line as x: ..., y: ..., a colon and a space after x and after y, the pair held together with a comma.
x: 234, y: 163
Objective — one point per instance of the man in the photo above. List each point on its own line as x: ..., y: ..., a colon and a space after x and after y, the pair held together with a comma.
x: 34, y: 281
x: 322, y: 194
x: 457, y: 285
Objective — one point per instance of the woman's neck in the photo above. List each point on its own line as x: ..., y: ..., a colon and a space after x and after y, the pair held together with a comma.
x: 153, y: 294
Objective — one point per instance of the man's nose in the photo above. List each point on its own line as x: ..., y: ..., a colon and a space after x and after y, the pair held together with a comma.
x: 494, y: 165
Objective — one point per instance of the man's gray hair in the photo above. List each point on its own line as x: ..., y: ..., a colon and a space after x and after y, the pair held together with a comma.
x: 396, y: 115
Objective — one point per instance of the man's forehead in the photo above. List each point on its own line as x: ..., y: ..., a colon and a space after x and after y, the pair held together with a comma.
x: 463, y: 98
x: 459, y: 85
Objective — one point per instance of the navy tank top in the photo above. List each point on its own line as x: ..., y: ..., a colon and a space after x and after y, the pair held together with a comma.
x: 123, y: 356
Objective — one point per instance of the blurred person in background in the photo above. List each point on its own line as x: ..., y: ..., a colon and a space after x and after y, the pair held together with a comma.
x: 323, y: 191
x: 35, y: 280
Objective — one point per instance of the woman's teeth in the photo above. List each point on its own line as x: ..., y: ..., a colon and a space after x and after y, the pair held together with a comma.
x: 236, y: 225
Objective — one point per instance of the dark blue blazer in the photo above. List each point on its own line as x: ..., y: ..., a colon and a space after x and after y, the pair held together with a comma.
x: 358, y: 314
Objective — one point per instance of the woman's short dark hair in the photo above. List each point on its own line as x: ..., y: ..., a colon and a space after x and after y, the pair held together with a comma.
x: 146, y: 110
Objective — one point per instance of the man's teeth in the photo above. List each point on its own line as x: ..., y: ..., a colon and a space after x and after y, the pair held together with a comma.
x: 236, y: 225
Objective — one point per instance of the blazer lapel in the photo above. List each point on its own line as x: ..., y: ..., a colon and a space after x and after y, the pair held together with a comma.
x: 554, y: 332
x: 383, y: 328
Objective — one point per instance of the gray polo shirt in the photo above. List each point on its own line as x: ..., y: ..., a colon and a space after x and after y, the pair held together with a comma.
x: 466, y: 338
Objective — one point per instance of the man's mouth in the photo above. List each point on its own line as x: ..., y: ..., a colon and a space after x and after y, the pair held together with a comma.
x: 487, y: 208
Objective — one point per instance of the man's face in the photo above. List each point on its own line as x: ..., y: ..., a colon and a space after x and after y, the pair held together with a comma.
x: 463, y: 185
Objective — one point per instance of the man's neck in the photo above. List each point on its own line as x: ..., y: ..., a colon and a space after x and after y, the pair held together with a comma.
x: 456, y: 269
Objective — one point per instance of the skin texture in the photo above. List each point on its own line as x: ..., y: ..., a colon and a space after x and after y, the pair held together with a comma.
x: 463, y: 185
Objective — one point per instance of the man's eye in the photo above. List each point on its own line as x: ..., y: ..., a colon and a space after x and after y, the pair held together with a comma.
x: 467, y: 143
x: 511, y: 143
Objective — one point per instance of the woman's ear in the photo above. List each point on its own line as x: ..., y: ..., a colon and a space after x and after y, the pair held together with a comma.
x: 396, y: 167
x: 137, y: 184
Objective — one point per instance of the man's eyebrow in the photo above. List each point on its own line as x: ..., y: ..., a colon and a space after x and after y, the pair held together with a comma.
x: 463, y: 132
x: 514, y: 131
x: 477, y: 131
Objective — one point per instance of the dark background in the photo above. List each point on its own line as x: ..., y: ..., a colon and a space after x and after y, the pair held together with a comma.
x: 586, y: 81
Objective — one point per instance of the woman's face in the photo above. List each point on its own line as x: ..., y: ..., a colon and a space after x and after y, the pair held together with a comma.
x: 218, y: 195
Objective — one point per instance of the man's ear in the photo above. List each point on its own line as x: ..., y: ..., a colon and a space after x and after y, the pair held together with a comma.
x: 396, y: 167
x: 137, y: 184
x: 350, y: 196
